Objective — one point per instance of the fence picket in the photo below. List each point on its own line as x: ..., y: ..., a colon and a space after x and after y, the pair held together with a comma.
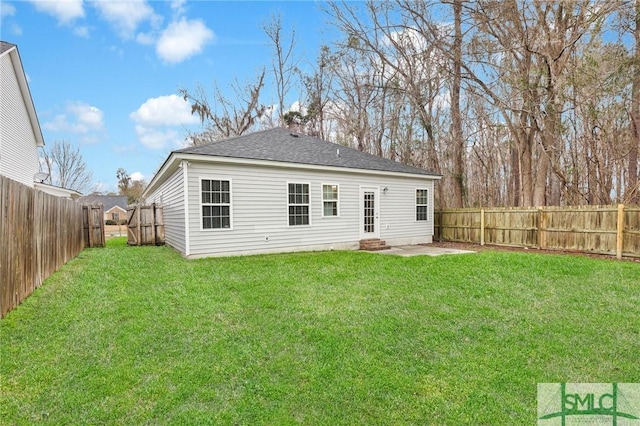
x: 608, y: 230
x: 38, y: 234
x: 145, y: 225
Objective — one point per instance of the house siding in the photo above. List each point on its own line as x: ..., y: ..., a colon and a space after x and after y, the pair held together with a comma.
x: 18, y: 144
x: 260, y: 210
x: 108, y: 215
x: 171, y: 195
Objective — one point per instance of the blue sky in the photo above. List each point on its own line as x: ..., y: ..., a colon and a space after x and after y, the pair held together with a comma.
x: 104, y: 75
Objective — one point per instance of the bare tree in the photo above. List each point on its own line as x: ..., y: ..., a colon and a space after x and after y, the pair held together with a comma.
x: 633, y: 184
x: 283, y: 65
x: 132, y: 188
x: 513, y: 102
x: 66, y: 167
x: 226, y: 117
x: 457, y: 143
x: 124, y: 181
x: 408, y: 68
x: 318, y: 86
x: 526, y: 81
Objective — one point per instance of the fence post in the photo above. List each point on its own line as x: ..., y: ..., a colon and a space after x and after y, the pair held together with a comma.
x: 89, y: 211
x: 620, y: 231
x: 139, y: 226
x: 481, y: 227
x: 541, y: 228
x: 153, y: 223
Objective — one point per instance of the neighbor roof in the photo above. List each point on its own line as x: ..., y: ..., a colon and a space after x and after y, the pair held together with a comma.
x: 107, y: 201
x: 284, y: 146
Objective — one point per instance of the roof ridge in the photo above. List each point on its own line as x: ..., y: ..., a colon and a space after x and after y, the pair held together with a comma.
x: 276, y: 144
x: 231, y: 138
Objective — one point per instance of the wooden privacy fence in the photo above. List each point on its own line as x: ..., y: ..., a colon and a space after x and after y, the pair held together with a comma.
x: 613, y: 230
x: 93, y: 225
x: 38, y: 234
x: 145, y: 225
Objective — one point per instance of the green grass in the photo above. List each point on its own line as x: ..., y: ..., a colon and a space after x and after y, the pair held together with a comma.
x: 138, y: 335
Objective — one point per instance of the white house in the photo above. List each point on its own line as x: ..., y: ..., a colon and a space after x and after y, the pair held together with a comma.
x: 20, y: 133
x: 276, y: 191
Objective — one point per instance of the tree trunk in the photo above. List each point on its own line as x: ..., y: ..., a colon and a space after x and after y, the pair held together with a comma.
x: 542, y: 172
x: 633, y: 191
x: 514, y: 184
x: 456, y: 119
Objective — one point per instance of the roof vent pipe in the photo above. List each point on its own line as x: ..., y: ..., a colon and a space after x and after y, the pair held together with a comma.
x: 337, y: 152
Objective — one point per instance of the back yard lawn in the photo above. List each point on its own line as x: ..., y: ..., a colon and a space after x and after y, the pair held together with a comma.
x: 138, y: 335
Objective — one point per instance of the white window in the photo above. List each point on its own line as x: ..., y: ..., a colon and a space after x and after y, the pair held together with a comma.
x: 329, y: 200
x: 216, y: 204
x: 298, y: 204
x: 422, y: 204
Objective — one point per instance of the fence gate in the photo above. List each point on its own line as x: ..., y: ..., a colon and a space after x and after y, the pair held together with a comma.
x: 93, y: 225
x: 145, y: 225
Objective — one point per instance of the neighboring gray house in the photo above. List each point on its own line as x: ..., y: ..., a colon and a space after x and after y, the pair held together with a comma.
x: 276, y: 191
x: 114, y: 206
x: 20, y: 133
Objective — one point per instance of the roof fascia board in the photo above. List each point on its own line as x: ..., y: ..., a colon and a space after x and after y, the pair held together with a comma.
x: 175, y: 157
x: 56, y: 190
x: 282, y: 164
x: 170, y: 163
x: 26, y: 94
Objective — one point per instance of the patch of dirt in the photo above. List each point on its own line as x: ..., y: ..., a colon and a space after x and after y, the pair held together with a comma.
x: 478, y: 247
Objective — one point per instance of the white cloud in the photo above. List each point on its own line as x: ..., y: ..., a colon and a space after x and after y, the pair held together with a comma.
x: 126, y: 16
x: 7, y: 9
x: 65, y: 11
x: 297, y: 107
x: 136, y: 176
x: 146, y: 39
x: 154, y: 138
x: 89, y: 117
x: 117, y: 50
x: 79, y: 118
x: 81, y: 31
x: 183, y: 39
x: 16, y: 29
x: 170, y: 110
x: 178, y: 6
x: 157, y: 118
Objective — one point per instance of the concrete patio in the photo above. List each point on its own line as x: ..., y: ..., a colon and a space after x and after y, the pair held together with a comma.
x: 422, y: 250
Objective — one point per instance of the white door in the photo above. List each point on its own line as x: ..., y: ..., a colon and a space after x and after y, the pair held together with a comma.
x: 369, y: 212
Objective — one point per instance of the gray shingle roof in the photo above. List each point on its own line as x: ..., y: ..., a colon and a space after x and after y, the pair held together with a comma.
x: 281, y: 145
x: 4, y: 46
x: 107, y: 201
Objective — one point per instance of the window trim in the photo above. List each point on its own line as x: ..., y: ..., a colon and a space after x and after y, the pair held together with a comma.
x: 416, y: 205
x: 289, y: 204
x: 202, y: 228
x: 337, y: 200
